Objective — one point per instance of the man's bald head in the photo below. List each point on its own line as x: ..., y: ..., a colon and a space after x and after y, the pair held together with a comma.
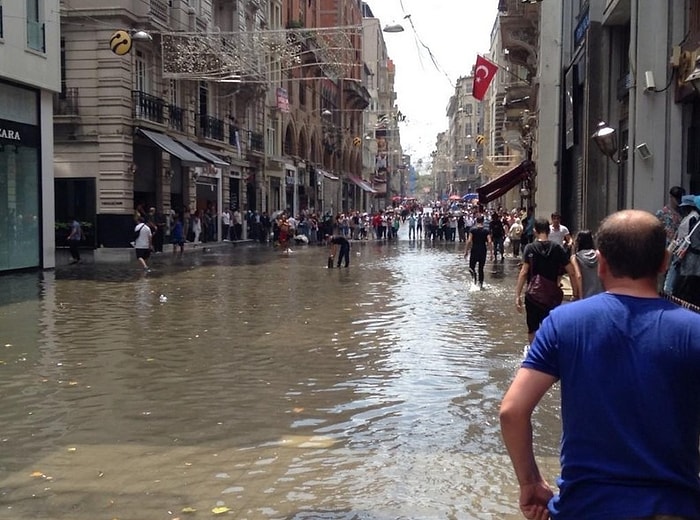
x: 633, y: 243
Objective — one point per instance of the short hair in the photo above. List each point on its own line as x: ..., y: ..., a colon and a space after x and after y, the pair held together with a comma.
x: 480, y: 219
x: 584, y: 240
x: 541, y: 226
x: 633, y: 243
x: 677, y: 193
x: 556, y: 214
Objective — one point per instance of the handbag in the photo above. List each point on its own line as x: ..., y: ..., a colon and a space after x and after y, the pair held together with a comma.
x: 544, y: 292
x: 679, y: 247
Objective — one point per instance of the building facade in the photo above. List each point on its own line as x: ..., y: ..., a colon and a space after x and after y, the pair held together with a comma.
x: 254, y: 105
x: 29, y: 77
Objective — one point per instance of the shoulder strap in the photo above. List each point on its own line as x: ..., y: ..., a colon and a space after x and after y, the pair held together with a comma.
x: 694, y: 228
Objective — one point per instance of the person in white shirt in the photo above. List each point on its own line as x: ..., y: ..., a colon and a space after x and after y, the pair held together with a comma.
x: 225, y: 224
x: 143, y: 242
x: 559, y: 233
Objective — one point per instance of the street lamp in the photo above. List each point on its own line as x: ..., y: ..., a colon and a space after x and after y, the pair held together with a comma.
x: 606, y: 139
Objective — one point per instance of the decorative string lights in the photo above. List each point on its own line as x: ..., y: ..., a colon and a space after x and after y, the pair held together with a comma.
x: 250, y: 56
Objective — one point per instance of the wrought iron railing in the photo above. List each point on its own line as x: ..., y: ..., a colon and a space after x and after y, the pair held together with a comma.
x: 147, y: 106
x: 210, y: 127
x: 66, y: 103
x: 176, y: 118
x: 256, y: 141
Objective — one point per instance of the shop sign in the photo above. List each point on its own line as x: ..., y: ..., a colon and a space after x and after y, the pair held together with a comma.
x: 19, y: 133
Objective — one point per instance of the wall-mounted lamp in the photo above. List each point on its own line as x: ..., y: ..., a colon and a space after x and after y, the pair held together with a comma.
x: 133, y: 168
x: 606, y: 139
x: 169, y: 173
x: 694, y: 77
x: 141, y: 36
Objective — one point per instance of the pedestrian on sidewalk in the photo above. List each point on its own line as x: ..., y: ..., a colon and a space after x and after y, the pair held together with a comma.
x: 178, y: 235
x: 74, y: 238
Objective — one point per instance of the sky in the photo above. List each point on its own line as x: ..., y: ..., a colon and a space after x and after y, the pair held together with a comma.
x: 454, y: 31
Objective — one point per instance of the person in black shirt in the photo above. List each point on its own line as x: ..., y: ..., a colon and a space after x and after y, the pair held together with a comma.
x: 547, y: 259
x: 498, y: 236
x: 478, y: 244
x: 341, y: 246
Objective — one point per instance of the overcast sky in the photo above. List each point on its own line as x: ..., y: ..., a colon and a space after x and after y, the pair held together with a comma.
x: 455, y: 31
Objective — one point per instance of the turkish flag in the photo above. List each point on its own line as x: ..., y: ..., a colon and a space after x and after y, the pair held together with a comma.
x: 484, y: 71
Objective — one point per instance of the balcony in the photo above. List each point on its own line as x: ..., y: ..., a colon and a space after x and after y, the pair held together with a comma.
x: 65, y: 104
x: 176, y: 118
x: 148, y: 107
x: 210, y: 127
x: 256, y: 142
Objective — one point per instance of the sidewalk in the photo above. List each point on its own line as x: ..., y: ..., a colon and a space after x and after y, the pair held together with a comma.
x: 107, y: 255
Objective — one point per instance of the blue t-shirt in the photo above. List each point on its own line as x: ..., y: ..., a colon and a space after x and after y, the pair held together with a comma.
x: 630, y: 395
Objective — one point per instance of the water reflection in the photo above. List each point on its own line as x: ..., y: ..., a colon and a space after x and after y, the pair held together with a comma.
x: 266, y: 383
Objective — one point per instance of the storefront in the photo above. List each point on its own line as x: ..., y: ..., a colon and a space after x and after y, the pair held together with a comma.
x: 20, y: 173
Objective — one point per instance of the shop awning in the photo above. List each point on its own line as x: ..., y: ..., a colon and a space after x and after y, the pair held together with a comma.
x: 169, y: 145
x: 505, y: 182
x: 362, y: 184
x: 327, y: 175
x: 202, y: 152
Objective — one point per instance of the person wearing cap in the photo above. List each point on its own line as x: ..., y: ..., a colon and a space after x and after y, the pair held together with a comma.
x: 686, y: 278
x: 670, y: 215
x: 689, y: 213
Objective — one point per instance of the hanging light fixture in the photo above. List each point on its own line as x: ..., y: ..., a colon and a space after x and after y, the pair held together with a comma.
x: 606, y: 139
x: 393, y: 28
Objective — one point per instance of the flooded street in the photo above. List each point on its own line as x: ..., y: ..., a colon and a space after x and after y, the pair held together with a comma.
x: 262, y: 386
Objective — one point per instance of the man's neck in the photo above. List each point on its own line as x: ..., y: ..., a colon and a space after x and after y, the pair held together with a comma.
x: 643, y: 288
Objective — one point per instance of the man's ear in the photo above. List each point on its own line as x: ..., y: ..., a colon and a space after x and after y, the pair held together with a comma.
x: 602, y: 265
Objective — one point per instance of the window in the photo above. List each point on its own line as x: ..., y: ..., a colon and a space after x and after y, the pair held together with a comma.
x: 35, y: 27
x: 1, y: 32
x: 141, y: 71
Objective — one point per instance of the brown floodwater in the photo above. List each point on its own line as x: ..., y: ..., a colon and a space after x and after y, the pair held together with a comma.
x: 264, y: 385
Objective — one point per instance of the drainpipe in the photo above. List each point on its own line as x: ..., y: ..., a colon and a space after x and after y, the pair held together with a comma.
x: 632, y: 124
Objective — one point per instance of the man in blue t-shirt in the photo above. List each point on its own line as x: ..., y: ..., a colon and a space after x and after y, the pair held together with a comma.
x: 628, y: 363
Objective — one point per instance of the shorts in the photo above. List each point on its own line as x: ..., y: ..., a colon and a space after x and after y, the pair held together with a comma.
x: 535, y: 315
x: 143, y: 253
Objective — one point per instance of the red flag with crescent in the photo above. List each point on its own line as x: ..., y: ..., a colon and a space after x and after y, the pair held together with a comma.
x: 484, y: 71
